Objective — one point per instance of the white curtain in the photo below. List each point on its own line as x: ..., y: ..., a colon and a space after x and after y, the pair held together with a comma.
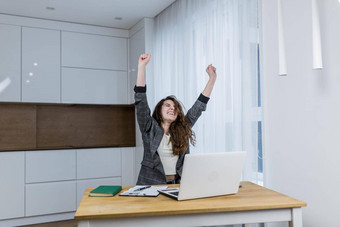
x: 190, y: 35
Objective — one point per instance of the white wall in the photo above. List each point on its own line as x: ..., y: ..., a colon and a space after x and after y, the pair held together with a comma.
x: 302, y: 109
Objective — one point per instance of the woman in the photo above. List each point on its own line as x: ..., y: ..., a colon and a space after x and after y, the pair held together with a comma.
x: 166, y: 134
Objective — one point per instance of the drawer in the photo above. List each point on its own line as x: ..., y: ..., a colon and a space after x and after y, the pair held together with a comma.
x: 98, y: 163
x: 48, y: 198
x: 50, y: 165
x: 82, y: 185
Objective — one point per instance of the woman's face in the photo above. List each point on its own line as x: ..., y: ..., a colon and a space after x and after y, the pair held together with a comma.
x: 169, y: 111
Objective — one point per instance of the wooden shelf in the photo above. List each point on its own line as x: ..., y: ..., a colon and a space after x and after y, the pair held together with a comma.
x: 34, y: 126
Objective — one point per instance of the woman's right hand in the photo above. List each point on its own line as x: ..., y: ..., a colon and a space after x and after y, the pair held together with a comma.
x: 142, y: 62
x: 144, y: 59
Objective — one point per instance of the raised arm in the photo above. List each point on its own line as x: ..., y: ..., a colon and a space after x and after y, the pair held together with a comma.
x: 201, y: 103
x: 142, y: 62
x: 211, y: 70
x: 144, y: 118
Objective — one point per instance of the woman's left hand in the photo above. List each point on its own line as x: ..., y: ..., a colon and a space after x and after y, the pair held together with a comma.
x: 211, y: 70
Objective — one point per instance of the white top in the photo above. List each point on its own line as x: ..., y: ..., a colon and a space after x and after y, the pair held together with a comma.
x: 169, y: 160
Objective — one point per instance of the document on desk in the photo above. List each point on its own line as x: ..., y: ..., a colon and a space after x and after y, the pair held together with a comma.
x: 142, y: 190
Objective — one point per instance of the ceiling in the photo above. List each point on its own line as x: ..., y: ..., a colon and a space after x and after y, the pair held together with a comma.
x: 105, y: 13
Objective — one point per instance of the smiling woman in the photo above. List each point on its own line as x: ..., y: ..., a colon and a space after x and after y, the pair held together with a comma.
x: 166, y: 134
x: 169, y: 114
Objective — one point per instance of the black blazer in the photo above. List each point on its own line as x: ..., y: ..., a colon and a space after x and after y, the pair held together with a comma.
x: 152, y: 171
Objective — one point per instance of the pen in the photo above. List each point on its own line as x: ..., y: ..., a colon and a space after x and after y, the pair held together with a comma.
x: 140, y: 189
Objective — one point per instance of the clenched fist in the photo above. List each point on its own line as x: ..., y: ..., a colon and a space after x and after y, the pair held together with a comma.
x: 211, y: 70
x: 144, y: 59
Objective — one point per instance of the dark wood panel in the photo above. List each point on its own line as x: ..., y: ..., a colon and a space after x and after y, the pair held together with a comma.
x: 33, y: 126
x: 17, y: 127
x: 82, y: 126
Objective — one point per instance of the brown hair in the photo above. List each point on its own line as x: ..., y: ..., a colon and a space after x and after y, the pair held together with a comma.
x: 180, y: 130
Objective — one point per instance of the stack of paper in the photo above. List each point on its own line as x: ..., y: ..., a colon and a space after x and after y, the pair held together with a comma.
x: 141, y: 190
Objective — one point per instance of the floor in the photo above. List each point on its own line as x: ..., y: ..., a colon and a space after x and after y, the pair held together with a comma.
x: 70, y: 223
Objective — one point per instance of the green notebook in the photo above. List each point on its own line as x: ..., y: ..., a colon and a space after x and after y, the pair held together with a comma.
x: 105, y: 191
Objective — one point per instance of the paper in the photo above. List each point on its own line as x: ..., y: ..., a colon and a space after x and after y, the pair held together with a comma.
x: 151, y: 191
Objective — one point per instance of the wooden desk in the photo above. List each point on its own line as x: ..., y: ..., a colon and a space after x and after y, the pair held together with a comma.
x: 252, y: 204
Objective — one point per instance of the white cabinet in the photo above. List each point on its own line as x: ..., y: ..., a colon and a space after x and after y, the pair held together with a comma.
x: 94, y: 86
x: 94, y: 51
x: 40, y: 65
x: 48, y: 65
x: 50, y: 181
x: 35, y: 183
x: 50, y: 165
x: 49, y: 198
x: 99, y: 162
x: 12, y: 184
x: 10, y: 60
x: 94, y: 69
x: 56, y: 179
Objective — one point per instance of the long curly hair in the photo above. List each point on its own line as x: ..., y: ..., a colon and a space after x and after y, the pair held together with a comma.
x: 180, y: 130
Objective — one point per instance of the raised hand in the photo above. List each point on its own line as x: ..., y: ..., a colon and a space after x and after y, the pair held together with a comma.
x: 142, y: 62
x: 211, y: 70
x: 144, y: 59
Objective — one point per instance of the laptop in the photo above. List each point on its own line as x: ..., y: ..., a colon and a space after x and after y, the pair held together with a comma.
x: 209, y: 174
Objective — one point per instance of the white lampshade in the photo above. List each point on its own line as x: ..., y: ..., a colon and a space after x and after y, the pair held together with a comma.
x: 281, y: 42
x: 316, y: 36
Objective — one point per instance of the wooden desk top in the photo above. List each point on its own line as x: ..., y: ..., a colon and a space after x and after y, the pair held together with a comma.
x: 249, y: 197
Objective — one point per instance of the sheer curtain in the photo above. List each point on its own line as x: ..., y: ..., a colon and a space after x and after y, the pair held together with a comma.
x: 190, y: 35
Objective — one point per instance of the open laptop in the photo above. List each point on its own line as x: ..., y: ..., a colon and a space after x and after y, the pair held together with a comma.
x: 209, y: 174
